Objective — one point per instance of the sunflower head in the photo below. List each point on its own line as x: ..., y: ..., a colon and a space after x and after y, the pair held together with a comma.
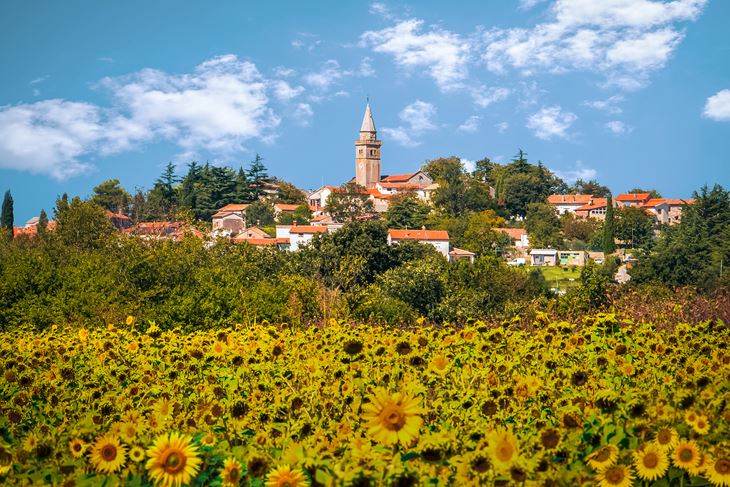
x: 686, y: 455
x: 666, y: 438
x: 285, y: 476
x: 603, y: 457
x: 718, y: 470
x: 393, y: 418
x: 614, y: 476
x: 108, y: 454
x: 651, y: 462
x: 503, y: 449
x: 77, y: 447
x: 232, y: 472
x: 173, y: 460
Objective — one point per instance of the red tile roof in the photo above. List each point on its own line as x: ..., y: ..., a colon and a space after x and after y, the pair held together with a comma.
x: 307, y: 229
x: 286, y: 207
x: 633, y: 197
x: 399, y: 185
x: 456, y: 251
x: 569, y: 199
x: 421, y: 234
x: 595, y: 203
x: 234, y: 207
x: 398, y: 178
x: 514, y: 233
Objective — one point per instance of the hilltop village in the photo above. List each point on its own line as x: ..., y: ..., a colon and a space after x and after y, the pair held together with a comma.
x: 273, y: 213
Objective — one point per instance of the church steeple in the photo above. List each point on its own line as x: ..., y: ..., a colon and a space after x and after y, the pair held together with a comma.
x: 367, y: 152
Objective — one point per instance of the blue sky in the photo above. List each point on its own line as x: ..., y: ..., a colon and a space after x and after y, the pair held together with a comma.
x: 632, y: 92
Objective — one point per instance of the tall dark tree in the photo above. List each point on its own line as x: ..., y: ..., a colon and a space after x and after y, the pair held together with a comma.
x: 258, y: 177
x: 111, y: 196
x: 591, y: 187
x: 243, y: 187
x: 190, y: 187
x: 634, y: 226
x: 260, y: 213
x: 609, y: 229
x: 42, y: 222
x: 348, y: 203
x: 407, y: 212
x: 7, y: 218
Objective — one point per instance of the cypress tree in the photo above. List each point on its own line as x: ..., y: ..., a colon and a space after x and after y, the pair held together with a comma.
x: 609, y: 245
x: 6, y: 218
x: 42, y: 221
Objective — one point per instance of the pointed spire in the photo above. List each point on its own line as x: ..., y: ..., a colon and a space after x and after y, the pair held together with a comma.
x: 368, y: 125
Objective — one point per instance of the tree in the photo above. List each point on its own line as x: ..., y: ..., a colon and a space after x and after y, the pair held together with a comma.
x: 653, y: 193
x: 543, y: 225
x: 111, y: 196
x: 42, y: 222
x: 582, y: 230
x: 260, y: 213
x: 479, y: 235
x: 348, y: 203
x: 289, y: 194
x: 483, y: 170
x: 609, y: 244
x: 166, y: 182
x: 258, y: 177
x: 7, y: 219
x: 591, y: 187
x: 634, y: 225
x: 301, y: 216
x: 407, y: 212
x: 458, y: 192
x: 81, y: 224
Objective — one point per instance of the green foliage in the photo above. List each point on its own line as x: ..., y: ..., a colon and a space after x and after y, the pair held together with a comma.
x: 260, y: 213
x: 634, y: 226
x: 7, y: 219
x: 653, y: 193
x: 609, y: 245
x: 591, y: 187
x: 290, y: 194
x: 81, y: 224
x: 691, y: 252
x: 543, y: 226
x: 418, y: 283
x: 111, y: 196
x: 42, y: 222
x: 458, y: 192
x: 301, y: 216
x: 407, y: 212
x: 348, y: 203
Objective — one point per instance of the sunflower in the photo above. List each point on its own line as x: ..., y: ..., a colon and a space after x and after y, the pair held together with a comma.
x: 173, y: 461
x: 6, y: 460
x: 393, y: 418
x: 503, y: 449
x: 30, y: 442
x: 666, y: 439
x: 439, y: 364
x: 208, y: 439
x: 285, y: 476
x: 701, y: 425
x: 651, y: 462
x: 163, y: 408
x: 231, y: 473
x: 77, y: 447
x: 686, y: 455
x: 136, y: 454
x: 603, y: 457
x: 614, y: 476
x: 718, y: 470
x: 108, y: 454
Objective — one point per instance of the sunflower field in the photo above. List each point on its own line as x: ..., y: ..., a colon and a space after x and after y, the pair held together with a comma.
x: 606, y: 401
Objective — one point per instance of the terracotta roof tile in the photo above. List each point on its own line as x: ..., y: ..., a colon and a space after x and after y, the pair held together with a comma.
x: 421, y: 234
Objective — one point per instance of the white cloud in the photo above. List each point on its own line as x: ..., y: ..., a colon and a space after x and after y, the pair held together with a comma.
x: 380, y: 9
x: 717, y: 106
x: 283, y: 72
x: 49, y: 137
x: 624, y: 40
x: 502, y: 127
x: 284, y: 91
x: 305, y: 41
x: 609, y: 105
x: 483, y: 96
x: 470, y: 125
x: 366, y: 67
x: 303, y: 114
x: 105, y: 59
x: 217, y: 108
x: 416, y: 119
x: 443, y: 54
x: 469, y: 165
x: 328, y: 75
x: 578, y: 172
x: 528, y: 4
x: 551, y: 122
x: 39, y: 79
x: 618, y: 127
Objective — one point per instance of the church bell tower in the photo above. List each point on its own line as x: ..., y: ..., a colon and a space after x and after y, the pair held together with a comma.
x: 367, y: 152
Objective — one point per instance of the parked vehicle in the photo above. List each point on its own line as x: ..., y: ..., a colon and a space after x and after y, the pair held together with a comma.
x: 518, y: 262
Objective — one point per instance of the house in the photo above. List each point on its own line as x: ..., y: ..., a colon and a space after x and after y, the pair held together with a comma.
x: 568, y: 203
x: 30, y: 229
x: 632, y: 199
x: 318, y: 199
x: 595, y: 208
x: 541, y: 257
x: 519, y: 236
x: 280, y: 243
x: 119, y: 221
x: 163, y: 230
x: 438, y: 238
x: 280, y: 208
x: 461, y: 254
x: 230, y: 219
x: 301, y: 235
x: 251, y: 233
x: 573, y: 257
x: 666, y: 211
